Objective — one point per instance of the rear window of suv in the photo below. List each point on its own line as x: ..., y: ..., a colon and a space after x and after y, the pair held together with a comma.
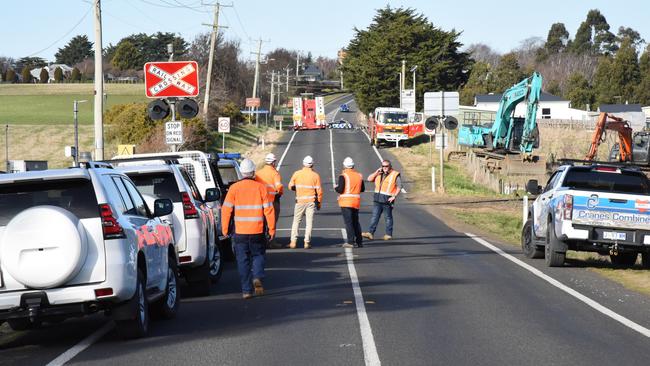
x: 74, y: 195
x: 159, y: 185
x: 625, y: 182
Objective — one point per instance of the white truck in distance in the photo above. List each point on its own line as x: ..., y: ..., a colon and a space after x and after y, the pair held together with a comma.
x: 593, y: 208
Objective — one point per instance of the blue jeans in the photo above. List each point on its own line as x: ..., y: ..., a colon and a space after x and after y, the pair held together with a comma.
x: 377, y: 209
x: 249, y: 250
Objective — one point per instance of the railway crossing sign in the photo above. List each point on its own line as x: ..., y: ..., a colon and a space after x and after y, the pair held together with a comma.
x: 171, y: 79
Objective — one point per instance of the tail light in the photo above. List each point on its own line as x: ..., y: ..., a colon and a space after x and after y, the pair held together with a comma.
x: 189, y: 210
x: 111, y: 228
x: 608, y: 169
x: 567, y: 204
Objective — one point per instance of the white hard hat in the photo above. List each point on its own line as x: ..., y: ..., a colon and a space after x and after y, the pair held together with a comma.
x: 348, y: 162
x: 247, y: 167
x: 308, y: 161
x: 270, y: 158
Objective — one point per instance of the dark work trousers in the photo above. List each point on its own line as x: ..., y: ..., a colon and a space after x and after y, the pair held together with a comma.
x: 352, y: 226
x: 249, y: 250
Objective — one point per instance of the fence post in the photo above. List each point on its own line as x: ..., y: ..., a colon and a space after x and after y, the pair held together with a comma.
x: 525, y: 210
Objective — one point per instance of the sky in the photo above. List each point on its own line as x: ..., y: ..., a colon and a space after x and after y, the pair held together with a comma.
x: 41, y: 27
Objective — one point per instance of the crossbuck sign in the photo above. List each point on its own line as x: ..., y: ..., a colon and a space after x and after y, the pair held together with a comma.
x: 171, y: 79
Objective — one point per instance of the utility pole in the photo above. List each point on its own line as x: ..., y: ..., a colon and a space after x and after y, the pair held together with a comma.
x: 297, y: 66
x: 99, y: 84
x: 213, y: 39
x: 402, y: 82
x: 341, y: 80
x: 287, y: 84
x: 257, y: 72
x: 272, y: 99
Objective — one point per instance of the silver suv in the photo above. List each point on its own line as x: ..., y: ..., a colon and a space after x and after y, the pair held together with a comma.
x: 193, y: 222
x: 82, y: 240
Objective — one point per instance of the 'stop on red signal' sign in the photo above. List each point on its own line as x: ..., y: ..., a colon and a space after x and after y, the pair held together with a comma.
x: 171, y: 79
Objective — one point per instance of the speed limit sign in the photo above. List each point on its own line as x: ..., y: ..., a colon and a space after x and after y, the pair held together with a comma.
x: 224, y: 125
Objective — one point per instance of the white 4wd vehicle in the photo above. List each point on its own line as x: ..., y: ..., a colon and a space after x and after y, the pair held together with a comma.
x: 594, y: 208
x: 193, y: 222
x: 82, y: 240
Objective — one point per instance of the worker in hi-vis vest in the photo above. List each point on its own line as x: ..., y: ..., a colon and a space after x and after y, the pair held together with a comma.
x: 309, y: 195
x: 272, y: 180
x: 388, y: 185
x: 349, y: 187
x: 247, y: 202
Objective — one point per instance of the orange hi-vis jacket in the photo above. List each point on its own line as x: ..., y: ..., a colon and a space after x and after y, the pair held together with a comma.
x: 307, y: 184
x: 272, y: 180
x: 248, y: 201
x: 388, y: 185
x: 351, y: 196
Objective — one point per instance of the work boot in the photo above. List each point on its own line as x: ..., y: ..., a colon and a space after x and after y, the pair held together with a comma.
x: 307, y: 245
x: 275, y: 245
x: 347, y: 245
x: 292, y: 245
x: 387, y: 237
x: 259, y: 289
x: 246, y: 296
x: 367, y: 235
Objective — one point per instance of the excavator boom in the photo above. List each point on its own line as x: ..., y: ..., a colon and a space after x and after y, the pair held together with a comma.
x: 609, y: 122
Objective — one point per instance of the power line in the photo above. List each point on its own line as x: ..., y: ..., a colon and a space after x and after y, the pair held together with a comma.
x: 65, y: 35
x: 240, y: 22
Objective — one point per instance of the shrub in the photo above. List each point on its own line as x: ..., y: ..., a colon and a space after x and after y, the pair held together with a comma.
x: 75, y: 76
x: 10, y: 76
x: 44, y: 76
x: 58, y: 75
x: 27, y: 77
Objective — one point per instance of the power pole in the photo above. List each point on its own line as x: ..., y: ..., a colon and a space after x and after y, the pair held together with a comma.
x: 287, y: 84
x: 297, y: 66
x: 213, y: 39
x: 272, y: 99
x: 99, y: 84
x: 257, y: 74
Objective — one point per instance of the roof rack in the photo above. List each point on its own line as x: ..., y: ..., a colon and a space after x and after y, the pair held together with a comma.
x: 167, y: 159
x: 94, y: 165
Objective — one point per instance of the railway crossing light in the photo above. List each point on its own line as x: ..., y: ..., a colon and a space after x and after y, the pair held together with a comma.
x: 431, y: 124
x: 451, y: 123
x: 188, y: 108
x: 158, y: 109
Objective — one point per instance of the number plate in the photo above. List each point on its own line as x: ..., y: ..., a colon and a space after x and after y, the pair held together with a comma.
x: 613, y: 235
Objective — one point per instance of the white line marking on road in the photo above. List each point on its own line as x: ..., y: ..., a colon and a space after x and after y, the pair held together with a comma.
x: 286, y: 150
x: 321, y: 229
x: 592, y: 303
x: 332, y: 159
x: 370, y: 354
x: 79, y: 347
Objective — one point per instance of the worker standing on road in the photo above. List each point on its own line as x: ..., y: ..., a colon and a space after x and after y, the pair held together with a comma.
x: 309, y: 195
x: 248, y: 201
x: 272, y: 180
x: 388, y: 185
x: 349, y: 187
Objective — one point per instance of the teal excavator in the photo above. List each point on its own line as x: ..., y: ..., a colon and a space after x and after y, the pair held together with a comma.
x: 509, y: 141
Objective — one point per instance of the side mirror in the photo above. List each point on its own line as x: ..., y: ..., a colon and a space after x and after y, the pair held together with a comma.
x: 533, y: 187
x: 212, y: 195
x: 162, y: 207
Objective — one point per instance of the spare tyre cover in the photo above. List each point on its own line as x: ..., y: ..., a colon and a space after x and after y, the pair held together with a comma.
x: 44, y: 247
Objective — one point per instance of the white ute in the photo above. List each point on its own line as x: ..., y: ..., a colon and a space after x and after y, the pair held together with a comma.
x: 82, y: 240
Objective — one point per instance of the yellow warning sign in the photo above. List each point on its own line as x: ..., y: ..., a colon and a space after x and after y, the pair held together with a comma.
x: 125, y: 149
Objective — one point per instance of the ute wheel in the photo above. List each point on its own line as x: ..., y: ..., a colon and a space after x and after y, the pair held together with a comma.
x: 623, y: 260
x: 168, y: 305
x: 138, y: 326
x: 530, y: 249
x: 23, y: 324
x: 216, y: 265
x: 552, y: 257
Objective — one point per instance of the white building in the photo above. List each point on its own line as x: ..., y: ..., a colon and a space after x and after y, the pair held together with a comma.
x: 36, y: 73
x: 630, y: 112
x: 550, y: 107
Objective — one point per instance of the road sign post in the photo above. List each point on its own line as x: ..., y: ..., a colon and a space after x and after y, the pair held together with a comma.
x: 442, y: 104
x: 224, y: 128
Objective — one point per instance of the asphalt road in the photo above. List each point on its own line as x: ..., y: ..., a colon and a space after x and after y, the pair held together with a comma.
x: 432, y: 296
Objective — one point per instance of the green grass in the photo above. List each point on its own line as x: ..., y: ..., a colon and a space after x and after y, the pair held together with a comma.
x: 503, y: 225
x: 52, y: 103
x: 240, y: 138
x: 329, y: 98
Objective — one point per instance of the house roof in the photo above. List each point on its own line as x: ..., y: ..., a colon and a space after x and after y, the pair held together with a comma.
x: 619, y: 108
x: 496, y: 98
x: 312, y: 70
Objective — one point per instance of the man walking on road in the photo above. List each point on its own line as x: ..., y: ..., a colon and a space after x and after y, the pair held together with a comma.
x: 349, y: 187
x: 309, y: 195
x: 388, y: 185
x: 270, y: 177
x: 248, y: 202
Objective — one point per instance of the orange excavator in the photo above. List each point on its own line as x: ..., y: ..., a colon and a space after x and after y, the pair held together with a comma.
x: 609, y: 122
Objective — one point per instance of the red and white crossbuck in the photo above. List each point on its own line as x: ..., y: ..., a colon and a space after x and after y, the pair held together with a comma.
x: 171, y: 79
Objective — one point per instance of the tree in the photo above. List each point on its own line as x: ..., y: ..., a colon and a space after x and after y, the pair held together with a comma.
x: 507, y: 73
x: 644, y: 62
x: 44, y: 76
x: 78, y: 49
x: 476, y: 84
x: 30, y: 62
x: 27, y: 77
x: 557, y: 38
x: 628, y: 33
x: 10, y: 76
x: 126, y: 56
x: 58, y: 75
x: 625, y: 75
x: 553, y: 87
x: 593, y: 35
x: 642, y: 91
x: 375, y: 55
x: 579, y: 92
x: 602, y: 83
x: 75, y: 76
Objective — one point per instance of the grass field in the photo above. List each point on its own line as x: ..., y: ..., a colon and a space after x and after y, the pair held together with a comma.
x: 53, y: 103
